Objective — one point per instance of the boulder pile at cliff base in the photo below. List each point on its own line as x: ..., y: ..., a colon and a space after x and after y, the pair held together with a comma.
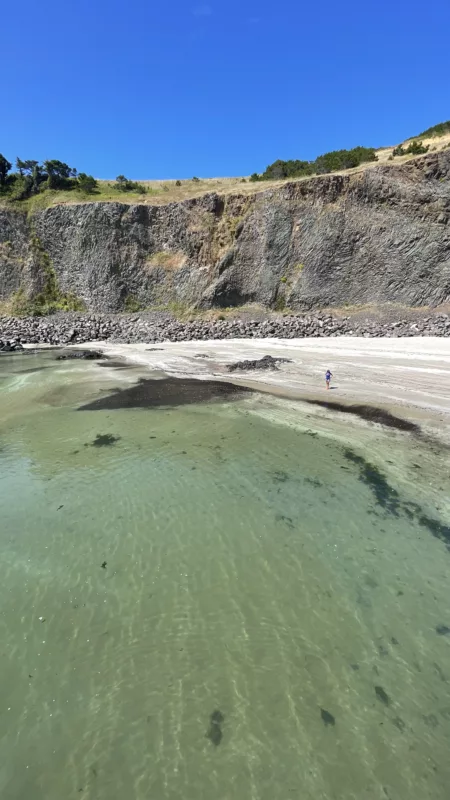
x: 131, y: 329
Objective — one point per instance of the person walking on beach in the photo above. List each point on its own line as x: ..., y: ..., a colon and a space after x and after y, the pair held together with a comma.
x: 328, y: 376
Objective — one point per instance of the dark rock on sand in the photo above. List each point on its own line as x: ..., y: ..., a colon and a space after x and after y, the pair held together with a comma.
x: 11, y: 346
x: 266, y: 362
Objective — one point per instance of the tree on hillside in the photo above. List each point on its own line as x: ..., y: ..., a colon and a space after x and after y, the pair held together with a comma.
x: 58, y: 174
x: 124, y: 184
x: 87, y: 183
x: 26, y: 167
x: 5, y: 166
x: 287, y: 169
x: 36, y: 176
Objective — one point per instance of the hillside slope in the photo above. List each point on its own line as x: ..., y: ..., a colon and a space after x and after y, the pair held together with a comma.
x: 380, y: 235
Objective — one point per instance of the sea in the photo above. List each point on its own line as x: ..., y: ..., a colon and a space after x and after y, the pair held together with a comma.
x: 209, y: 593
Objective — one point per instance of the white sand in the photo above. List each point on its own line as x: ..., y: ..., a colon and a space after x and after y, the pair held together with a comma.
x: 408, y: 374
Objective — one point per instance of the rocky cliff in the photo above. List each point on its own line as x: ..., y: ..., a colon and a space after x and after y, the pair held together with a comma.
x: 378, y: 236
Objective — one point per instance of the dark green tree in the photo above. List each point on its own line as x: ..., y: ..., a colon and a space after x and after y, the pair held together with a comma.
x: 36, y: 176
x: 58, y: 174
x: 87, y: 183
x: 124, y: 184
x: 26, y: 166
x: 5, y: 166
x: 20, y: 165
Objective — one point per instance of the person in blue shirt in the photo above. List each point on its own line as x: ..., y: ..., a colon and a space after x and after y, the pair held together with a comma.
x: 328, y: 376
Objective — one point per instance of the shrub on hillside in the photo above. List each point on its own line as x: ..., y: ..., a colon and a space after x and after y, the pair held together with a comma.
x: 436, y: 130
x: 343, y: 159
x: 123, y: 184
x: 328, y: 162
x: 287, y: 169
x: 87, y: 183
x: 414, y: 149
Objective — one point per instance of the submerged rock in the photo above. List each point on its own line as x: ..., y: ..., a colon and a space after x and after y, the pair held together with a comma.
x: 104, y: 439
x: 327, y: 718
x: 87, y: 355
x: 214, y: 732
x: 383, y: 697
x: 443, y: 630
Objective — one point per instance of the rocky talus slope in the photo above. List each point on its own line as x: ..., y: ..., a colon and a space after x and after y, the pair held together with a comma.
x: 75, y: 328
x: 378, y: 236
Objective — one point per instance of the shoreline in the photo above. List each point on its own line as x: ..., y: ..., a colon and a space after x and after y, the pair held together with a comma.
x: 409, y: 378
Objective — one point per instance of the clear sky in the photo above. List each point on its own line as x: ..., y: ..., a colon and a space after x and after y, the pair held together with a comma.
x: 177, y: 88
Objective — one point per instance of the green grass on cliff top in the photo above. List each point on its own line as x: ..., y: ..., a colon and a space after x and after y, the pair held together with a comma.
x: 163, y: 192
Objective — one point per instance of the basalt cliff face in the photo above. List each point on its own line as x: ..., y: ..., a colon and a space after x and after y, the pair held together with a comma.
x: 378, y: 236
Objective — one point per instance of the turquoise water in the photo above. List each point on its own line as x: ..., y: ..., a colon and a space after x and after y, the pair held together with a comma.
x: 264, y: 626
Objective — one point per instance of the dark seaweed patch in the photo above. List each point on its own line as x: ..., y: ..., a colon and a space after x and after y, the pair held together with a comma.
x: 442, y: 630
x: 382, y: 696
x: 280, y: 477
x: 386, y: 496
x: 327, y: 718
x: 168, y: 392
x: 214, y: 732
x: 104, y: 440
x: 314, y: 482
x: 389, y: 499
x: 287, y: 520
x: 436, y: 528
x: 369, y: 413
x: 117, y: 365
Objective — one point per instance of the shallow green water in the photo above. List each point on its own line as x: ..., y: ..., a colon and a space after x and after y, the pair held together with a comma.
x: 252, y: 569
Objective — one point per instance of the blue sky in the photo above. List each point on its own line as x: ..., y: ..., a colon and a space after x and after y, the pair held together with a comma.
x: 176, y: 89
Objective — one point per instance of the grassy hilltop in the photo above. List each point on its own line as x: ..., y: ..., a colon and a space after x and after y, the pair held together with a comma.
x: 35, y: 186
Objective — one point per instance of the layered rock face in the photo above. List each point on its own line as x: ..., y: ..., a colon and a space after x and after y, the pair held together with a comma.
x: 378, y: 236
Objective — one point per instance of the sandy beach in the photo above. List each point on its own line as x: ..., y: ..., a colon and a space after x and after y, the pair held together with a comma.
x: 408, y: 375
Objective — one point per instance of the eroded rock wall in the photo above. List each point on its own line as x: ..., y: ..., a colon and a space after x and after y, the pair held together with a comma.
x: 378, y: 236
